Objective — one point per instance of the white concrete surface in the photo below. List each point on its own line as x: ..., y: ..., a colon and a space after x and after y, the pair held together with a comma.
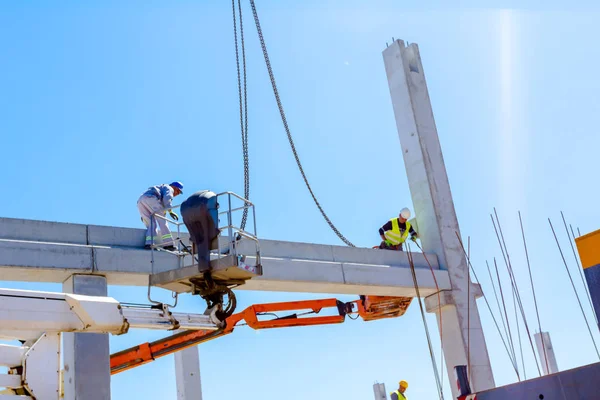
x: 41, y: 251
x: 551, y: 367
x: 86, y: 355
x: 187, y: 374
x: 434, y: 208
x: 379, y: 391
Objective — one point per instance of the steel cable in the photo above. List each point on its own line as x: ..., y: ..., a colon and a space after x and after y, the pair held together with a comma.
x: 287, y: 129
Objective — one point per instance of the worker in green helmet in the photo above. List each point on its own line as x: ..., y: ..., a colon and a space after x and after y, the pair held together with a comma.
x: 399, y: 394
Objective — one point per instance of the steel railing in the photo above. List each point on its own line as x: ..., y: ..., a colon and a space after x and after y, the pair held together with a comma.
x: 235, y: 206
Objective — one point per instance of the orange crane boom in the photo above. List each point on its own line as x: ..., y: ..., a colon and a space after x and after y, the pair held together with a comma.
x: 369, y: 308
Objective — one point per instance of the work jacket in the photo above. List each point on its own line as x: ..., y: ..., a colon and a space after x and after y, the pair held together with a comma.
x: 398, y: 395
x: 395, y: 236
x: 164, y: 194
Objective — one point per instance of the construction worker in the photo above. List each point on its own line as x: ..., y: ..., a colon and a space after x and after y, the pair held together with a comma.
x: 399, y: 394
x: 157, y: 200
x: 396, y: 230
x: 201, y: 217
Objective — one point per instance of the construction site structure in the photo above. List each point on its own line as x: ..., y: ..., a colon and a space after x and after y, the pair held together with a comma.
x: 86, y: 259
x: 38, y: 318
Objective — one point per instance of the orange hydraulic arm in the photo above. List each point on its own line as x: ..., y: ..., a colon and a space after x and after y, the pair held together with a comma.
x: 368, y: 307
x: 147, y: 352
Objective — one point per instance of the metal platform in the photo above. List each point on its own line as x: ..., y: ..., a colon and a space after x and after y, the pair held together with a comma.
x: 227, y: 270
x: 377, y: 307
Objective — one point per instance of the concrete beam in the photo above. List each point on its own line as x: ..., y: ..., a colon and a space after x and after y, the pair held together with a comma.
x: 108, y: 237
x: 40, y: 251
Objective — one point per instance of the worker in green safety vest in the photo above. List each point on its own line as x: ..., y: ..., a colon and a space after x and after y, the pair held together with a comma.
x: 395, y: 232
x: 399, y: 394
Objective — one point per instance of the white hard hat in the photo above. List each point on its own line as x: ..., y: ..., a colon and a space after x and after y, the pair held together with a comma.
x: 405, y: 213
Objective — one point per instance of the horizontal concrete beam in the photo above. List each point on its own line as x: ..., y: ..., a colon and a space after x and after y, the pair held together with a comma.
x: 41, y: 251
x: 344, y: 278
x: 108, y: 236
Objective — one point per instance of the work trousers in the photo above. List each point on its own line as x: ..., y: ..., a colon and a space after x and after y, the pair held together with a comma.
x: 200, y: 215
x: 148, y: 205
x: 386, y: 246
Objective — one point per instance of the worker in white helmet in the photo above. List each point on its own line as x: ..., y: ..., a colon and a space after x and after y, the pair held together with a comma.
x: 157, y: 200
x: 395, y: 232
x: 399, y: 394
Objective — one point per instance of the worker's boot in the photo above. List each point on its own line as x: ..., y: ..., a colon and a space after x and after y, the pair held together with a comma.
x: 170, y: 248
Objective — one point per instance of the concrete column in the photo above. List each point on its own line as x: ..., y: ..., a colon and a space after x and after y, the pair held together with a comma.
x: 86, y: 355
x: 551, y: 367
x: 187, y: 374
x: 434, y: 209
x: 379, y: 391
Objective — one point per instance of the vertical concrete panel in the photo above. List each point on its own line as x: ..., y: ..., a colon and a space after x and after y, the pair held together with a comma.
x: 546, y: 352
x: 434, y: 208
x: 187, y: 374
x: 86, y: 355
x: 379, y: 391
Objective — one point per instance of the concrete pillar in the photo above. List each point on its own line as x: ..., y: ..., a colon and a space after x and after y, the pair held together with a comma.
x: 434, y: 211
x: 187, y: 374
x: 379, y: 391
x: 86, y: 355
x: 551, y: 367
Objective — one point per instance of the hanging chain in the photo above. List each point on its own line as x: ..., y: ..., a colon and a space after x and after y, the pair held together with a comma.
x: 287, y: 129
x: 243, y: 105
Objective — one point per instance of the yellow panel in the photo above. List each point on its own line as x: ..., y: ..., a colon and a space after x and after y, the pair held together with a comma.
x: 589, y: 249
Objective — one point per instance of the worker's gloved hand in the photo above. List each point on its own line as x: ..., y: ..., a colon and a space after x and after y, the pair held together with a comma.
x: 174, y: 216
x: 413, y: 238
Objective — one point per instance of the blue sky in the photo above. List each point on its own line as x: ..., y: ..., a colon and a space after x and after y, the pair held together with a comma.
x: 103, y: 99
